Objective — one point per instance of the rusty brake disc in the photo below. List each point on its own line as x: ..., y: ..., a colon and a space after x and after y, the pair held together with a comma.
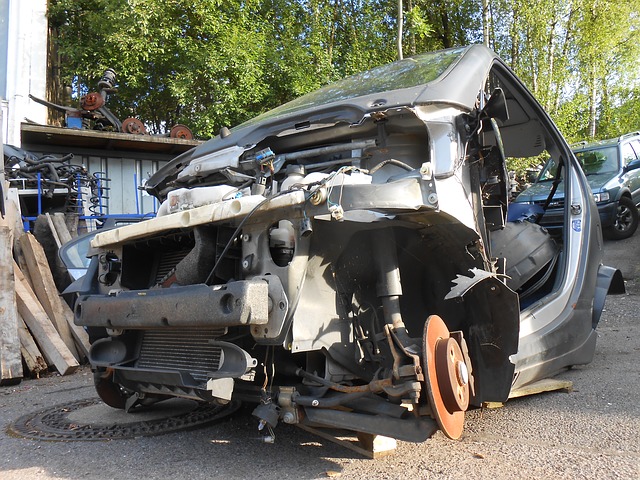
x: 446, y: 377
x: 181, y: 131
x: 133, y: 126
x: 92, y: 101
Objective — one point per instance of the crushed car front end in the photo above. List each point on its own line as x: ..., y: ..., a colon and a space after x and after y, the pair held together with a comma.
x: 331, y: 261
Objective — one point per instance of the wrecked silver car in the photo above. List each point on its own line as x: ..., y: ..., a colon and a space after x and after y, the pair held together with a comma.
x: 346, y: 259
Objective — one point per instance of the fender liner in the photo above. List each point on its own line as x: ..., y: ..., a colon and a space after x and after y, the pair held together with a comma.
x: 608, y: 282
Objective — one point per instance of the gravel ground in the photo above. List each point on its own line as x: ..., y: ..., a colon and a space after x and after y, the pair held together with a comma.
x: 592, y: 432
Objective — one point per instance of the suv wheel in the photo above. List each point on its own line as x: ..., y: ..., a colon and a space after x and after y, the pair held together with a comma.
x: 626, y: 221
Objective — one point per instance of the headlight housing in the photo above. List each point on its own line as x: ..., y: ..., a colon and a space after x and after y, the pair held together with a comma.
x: 601, y: 197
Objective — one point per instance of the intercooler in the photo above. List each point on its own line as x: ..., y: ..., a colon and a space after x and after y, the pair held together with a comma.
x: 184, y: 350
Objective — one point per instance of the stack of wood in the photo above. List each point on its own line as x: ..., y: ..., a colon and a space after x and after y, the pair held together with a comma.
x: 36, y: 325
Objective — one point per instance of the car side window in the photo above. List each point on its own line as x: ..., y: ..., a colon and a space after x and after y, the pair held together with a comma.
x: 635, y: 144
x: 628, y: 155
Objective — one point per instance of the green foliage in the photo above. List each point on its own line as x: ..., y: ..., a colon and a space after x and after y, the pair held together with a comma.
x: 418, y: 23
x: 619, y: 112
x: 215, y: 63
x: 210, y: 64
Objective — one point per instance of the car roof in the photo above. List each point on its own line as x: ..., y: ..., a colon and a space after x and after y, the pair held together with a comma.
x: 608, y: 142
x: 412, y: 81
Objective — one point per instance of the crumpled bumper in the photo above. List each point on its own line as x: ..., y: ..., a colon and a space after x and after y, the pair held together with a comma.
x: 236, y: 303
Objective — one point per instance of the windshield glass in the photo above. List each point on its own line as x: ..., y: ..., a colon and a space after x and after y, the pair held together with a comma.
x: 406, y: 73
x: 74, y: 254
x: 598, y: 160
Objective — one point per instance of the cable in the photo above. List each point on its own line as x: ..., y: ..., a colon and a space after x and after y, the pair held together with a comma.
x: 391, y: 161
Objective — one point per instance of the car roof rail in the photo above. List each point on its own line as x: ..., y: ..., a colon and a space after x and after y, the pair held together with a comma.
x: 628, y: 135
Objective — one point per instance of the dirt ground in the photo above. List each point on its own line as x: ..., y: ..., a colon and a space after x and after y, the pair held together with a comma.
x: 592, y: 432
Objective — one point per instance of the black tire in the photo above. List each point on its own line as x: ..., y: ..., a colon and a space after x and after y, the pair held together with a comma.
x: 626, y: 222
x: 109, y: 392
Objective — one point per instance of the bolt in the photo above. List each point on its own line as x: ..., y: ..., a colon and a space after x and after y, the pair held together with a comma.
x: 432, y: 198
x: 289, y: 418
x: 315, y: 403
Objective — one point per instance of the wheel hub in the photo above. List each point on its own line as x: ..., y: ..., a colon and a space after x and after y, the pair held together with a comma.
x: 133, y: 126
x: 181, y: 131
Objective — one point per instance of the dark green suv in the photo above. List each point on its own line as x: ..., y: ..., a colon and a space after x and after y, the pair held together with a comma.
x: 612, y: 168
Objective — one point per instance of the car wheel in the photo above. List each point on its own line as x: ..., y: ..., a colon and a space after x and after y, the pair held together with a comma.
x: 626, y: 221
x: 109, y: 392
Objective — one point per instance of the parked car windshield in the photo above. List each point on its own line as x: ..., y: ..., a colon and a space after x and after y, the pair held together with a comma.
x: 600, y: 160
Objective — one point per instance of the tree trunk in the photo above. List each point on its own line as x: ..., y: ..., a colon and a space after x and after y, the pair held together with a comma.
x: 593, y: 99
x: 400, y: 21
x: 412, y: 35
x: 485, y: 22
x: 513, y: 34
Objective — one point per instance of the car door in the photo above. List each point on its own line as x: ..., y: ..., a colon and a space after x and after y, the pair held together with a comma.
x: 631, y: 152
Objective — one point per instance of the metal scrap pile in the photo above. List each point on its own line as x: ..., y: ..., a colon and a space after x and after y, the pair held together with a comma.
x: 94, y: 114
x: 25, y: 170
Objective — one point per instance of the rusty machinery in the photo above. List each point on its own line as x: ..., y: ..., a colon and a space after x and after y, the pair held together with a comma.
x: 93, y: 112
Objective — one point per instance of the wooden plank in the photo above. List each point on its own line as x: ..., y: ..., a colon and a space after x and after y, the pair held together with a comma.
x: 54, y: 232
x: 17, y: 233
x: 61, y: 227
x: 30, y: 352
x: 370, y: 446
x: 45, y: 288
x: 20, y: 259
x: 72, y: 219
x: 10, y: 358
x: 12, y: 218
x: 544, y: 385
x: 80, y: 335
x: 51, y: 345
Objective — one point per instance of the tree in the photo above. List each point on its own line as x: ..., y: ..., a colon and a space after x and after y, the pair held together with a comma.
x: 607, y: 33
x: 571, y: 54
x: 215, y: 63
x: 210, y: 63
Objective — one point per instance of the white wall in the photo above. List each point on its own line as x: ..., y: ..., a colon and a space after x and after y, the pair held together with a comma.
x: 24, y: 31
